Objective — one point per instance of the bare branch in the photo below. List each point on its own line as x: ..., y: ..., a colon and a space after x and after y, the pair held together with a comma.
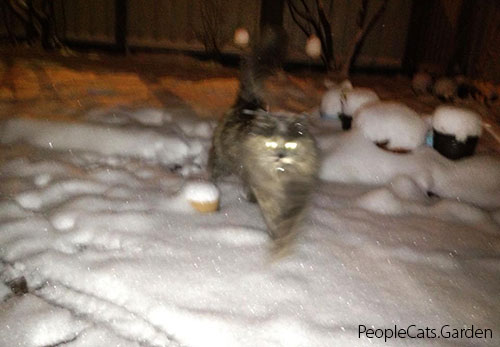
x: 375, y: 17
x: 296, y: 20
x: 304, y: 15
x: 326, y: 39
x: 363, y: 30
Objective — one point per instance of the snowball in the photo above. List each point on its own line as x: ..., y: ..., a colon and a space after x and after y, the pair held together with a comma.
x: 445, y: 88
x: 313, y: 47
x: 201, y: 192
x: 421, y: 82
x: 241, y: 37
x: 63, y: 221
x: 42, y: 179
x: 391, y: 122
x: 356, y: 98
x: 457, y: 121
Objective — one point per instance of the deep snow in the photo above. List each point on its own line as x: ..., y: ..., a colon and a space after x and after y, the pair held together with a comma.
x: 93, y: 216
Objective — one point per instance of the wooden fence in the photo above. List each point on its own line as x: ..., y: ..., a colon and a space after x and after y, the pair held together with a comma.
x: 179, y: 25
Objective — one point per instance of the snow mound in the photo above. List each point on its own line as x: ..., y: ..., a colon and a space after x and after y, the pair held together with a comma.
x: 393, y: 123
x: 355, y: 98
x: 141, y: 143
x: 386, y: 201
x: 47, y: 325
x: 355, y: 159
x: 457, y: 121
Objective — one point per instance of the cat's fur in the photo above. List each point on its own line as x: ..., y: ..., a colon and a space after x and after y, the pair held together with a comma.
x: 273, y: 153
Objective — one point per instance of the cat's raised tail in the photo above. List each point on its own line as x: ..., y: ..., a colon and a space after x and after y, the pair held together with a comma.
x: 268, y: 55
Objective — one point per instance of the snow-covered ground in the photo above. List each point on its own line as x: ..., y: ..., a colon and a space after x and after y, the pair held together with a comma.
x: 94, y: 219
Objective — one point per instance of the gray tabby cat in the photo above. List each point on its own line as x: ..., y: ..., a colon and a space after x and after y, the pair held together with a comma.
x: 273, y: 153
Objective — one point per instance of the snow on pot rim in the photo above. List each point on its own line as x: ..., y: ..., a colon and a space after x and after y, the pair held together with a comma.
x: 392, y: 123
x: 356, y: 98
x: 457, y: 121
x: 203, y: 196
x: 201, y: 192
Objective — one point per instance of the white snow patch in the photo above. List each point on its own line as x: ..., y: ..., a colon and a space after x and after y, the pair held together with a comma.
x: 113, y: 254
x: 146, y: 116
x: 4, y: 291
x: 30, y: 321
x: 145, y: 144
x: 457, y: 121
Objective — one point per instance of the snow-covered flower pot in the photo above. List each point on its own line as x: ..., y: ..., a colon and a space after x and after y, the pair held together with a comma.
x: 354, y: 100
x: 331, y: 102
x: 451, y: 148
x: 392, y: 126
x: 202, y: 196
x: 346, y: 121
x: 456, y: 131
x: 344, y: 102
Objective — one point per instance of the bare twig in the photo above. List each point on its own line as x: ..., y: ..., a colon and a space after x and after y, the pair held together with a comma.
x: 296, y: 20
x: 320, y: 26
x: 363, y: 29
x: 326, y: 40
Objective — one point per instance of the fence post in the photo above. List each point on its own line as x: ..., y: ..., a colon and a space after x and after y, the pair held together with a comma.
x: 271, y: 12
x: 121, y: 25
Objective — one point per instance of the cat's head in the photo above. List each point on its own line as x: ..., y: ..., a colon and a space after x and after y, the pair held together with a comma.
x: 281, y: 138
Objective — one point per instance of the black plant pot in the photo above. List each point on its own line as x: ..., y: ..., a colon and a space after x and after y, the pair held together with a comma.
x: 346, y: 121
x: 453, y: 149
